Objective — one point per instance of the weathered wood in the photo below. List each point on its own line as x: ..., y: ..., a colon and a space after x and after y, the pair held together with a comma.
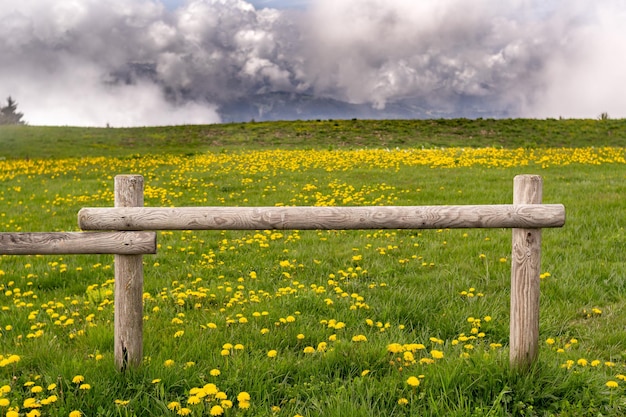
x: 75, y: 243
x: 525, y: 271
x: 337, y: 218
x: 128, y: 332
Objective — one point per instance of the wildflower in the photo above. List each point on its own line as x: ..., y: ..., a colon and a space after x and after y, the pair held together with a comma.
x: 193, y: 400
x: 214, y: 372
x: 550, y: 341
x: 4, y: 402
x: 36, y: 389
x: 244, y: 405
x: 168, y: 363
x: 403, y: 401
x: 365, y: 372
x: 78, y: 379
x: 272, y: 353
x: 75, y: 413
x: 156, y: 380
x: 33, y: 413
x: 436, y: 354
x: 243, y: 396
x: 122, y: 402
x: 84, y: 387
x: 413, y: 381
x: 174, y: 405
x: 12, y: 413
x: 216, y: 410
x: 582, y: 362
x: 184, y: 411
x: 611, y: 384
x: 309, y: 349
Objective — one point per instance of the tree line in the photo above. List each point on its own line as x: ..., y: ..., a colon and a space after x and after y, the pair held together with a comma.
x: 9, y: 114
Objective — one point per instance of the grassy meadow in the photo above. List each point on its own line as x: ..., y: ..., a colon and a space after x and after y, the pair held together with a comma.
x: 318, y: 323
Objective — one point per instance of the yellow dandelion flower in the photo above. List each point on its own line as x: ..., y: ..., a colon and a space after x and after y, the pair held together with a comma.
x: 84, y: 387
x: 612, y: 384
x: 403, y: 401
x: 243, y: 396
x: 215, y: 372
x: 193, y: 400
x: 309, y: 349
x: 413, y: 381
x: 436, y: 354
x: 75, y: 413
x: 4, y: 402
x: 168, y: 363
x: 216, y: 410
x: 184, y: 411
x: 174, y: 405
x: 78, y: 379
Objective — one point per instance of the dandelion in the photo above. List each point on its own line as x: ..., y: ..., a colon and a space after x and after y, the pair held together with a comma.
x: 4, y: 402
x: 243, y: 396
x: 168, y: 363
x: 78, y: 379
x: 193, y: 400
x: 122, y: 402
x: 215, y: 372
x: 413, y: 382
x: 365, y: 372
x: 403, y: 401
x: 216, y: 410
x: 174, y: 405
x: 156, y: 380
x: 75, y: 413
x: 84, y: 387
x: 611, y: 384
x: 184, y: 411
x: 272, y: 353
x: 436, y: 354
x: 309, y: 349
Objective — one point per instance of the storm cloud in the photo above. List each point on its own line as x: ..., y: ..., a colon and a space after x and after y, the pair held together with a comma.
x: 138, y: 62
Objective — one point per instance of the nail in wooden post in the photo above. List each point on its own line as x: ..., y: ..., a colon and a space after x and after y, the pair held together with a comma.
x: 525, y: 270
x: 128, y: 284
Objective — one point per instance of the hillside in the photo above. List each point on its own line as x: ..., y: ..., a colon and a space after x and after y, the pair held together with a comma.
x: 44, y: 142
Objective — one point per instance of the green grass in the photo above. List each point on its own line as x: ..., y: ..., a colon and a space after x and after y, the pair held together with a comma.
x: 45, y: 142
x: 407, y: 287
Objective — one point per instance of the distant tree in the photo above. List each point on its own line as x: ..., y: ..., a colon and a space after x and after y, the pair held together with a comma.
x: 9, y: 114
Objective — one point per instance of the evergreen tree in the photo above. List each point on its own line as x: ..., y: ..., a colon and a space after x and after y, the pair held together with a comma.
x: 9, y: 114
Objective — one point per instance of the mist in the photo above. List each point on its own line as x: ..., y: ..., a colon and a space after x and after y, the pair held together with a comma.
x: 138, y: 62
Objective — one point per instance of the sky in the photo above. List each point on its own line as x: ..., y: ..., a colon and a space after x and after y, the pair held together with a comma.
x: 160, y: 62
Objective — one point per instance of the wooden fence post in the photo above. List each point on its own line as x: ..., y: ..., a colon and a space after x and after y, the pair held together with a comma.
x: 128, y: 331
x: 525, y: 270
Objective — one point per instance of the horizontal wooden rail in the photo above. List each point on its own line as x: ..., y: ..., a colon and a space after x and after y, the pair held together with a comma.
x: 314, y: 218
x: 74, y: 243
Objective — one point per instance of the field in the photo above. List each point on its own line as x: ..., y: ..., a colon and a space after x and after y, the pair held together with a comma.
x: 310, y: 323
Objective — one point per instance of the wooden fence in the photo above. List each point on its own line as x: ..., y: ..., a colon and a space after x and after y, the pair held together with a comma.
x: 127, y: 232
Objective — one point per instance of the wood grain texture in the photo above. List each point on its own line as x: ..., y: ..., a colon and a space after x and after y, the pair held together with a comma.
x: 337, y: 218
x: 128, y: 315
x: 525, y: 271
x: 75, y: 243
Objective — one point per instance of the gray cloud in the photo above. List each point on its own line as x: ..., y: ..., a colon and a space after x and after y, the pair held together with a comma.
x: 136, y: 62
